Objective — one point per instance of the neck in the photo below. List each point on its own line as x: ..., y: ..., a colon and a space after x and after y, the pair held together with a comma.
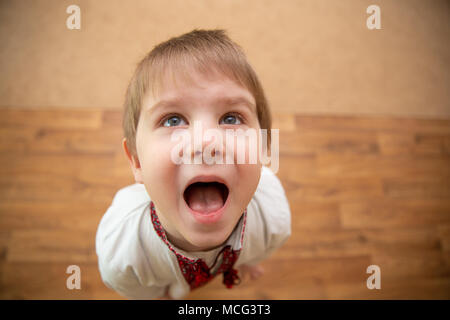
x: 185, y: 245
x: 177, y: 240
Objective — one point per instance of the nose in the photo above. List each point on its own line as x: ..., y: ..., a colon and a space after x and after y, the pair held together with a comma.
x: 207, y: 144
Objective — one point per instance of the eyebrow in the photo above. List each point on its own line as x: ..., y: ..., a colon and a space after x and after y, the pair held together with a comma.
x: 222, y: 101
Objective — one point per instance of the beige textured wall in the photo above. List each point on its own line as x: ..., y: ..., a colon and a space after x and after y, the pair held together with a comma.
x: 312, y: 56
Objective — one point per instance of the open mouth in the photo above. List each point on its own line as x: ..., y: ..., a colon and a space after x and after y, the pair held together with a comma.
x: 206, y: 197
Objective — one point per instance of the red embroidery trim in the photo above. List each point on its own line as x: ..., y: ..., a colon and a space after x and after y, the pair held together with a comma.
x: 196, y: 272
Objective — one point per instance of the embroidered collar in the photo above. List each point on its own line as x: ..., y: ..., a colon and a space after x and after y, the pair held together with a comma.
x: 195, y: 271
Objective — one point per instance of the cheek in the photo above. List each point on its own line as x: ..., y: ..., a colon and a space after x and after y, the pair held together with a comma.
x: 158, y: 170
x: 244, y: 148
x: 249, y: 175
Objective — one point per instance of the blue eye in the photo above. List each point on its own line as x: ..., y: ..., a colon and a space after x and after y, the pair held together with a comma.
x: 231, y: 119
x: 172, y: 121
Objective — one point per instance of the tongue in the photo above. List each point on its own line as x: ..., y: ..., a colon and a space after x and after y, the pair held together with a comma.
x: 204, y: 198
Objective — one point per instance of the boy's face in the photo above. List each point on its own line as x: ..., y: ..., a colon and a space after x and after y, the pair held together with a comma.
x: 203, y: 217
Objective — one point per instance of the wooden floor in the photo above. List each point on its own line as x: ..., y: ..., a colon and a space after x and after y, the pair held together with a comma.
x: 362, y: 190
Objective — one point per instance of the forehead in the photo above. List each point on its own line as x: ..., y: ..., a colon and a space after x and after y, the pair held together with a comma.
x: 212, y: 88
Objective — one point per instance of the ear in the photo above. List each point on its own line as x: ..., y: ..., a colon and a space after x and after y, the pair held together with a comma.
x: 134, y: 163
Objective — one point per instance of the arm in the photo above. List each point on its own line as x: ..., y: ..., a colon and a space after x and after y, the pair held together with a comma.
x: 127, y: 284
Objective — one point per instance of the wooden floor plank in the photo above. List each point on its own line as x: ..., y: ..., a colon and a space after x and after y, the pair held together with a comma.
x: 66, y: 118
x: 309, y: 141
x: 394, y: 213
x: 373, y: 123
x: 362, y: 191
x: 349, y: 165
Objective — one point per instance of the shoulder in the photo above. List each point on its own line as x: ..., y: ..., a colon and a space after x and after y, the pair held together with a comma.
x: 124, y: 265
x: 271, y: 202
x: 268, y: 218
x: 131, y: 196
x: 121, y: 220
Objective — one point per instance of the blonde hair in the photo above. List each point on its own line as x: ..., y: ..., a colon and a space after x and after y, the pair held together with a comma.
x: 205, y: 51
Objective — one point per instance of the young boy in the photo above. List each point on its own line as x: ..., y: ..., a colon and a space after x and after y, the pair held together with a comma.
x: 181, y: 224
